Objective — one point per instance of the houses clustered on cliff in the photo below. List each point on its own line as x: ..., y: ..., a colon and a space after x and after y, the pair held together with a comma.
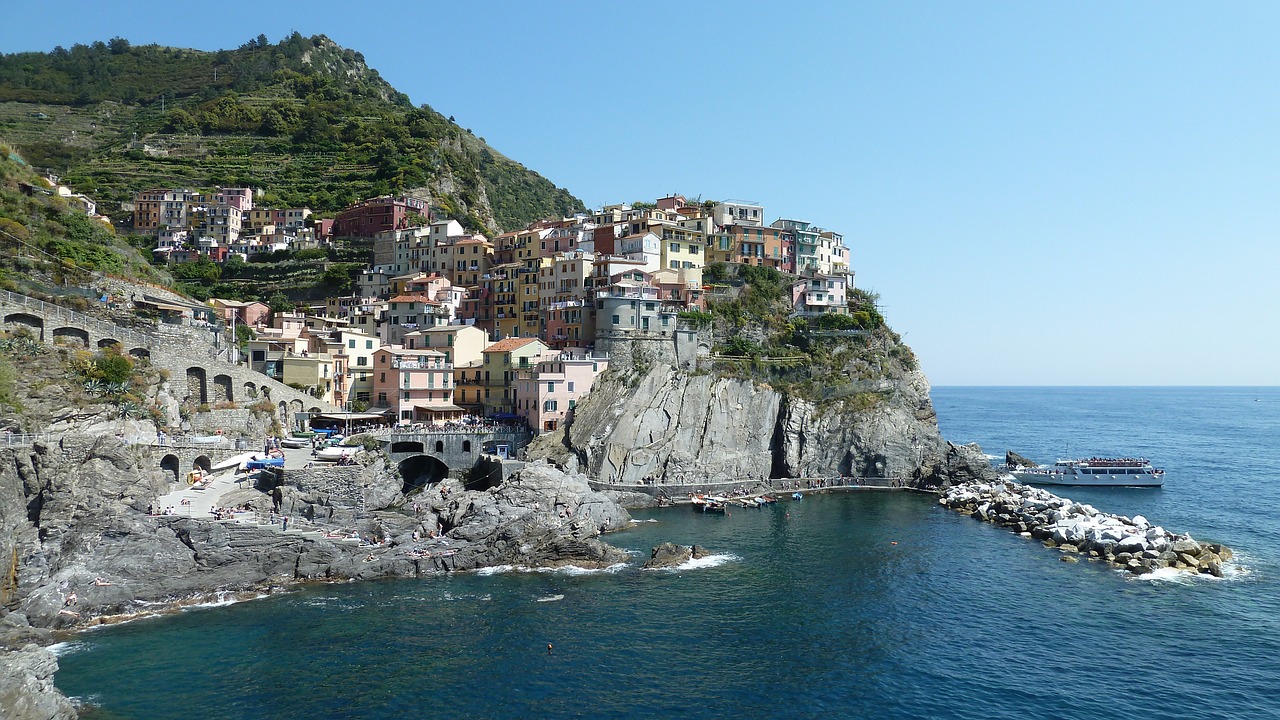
x: 446, y: 322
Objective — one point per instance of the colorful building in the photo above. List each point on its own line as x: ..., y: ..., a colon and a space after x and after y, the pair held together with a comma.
x: 414, y: 385
x: 549, y: 391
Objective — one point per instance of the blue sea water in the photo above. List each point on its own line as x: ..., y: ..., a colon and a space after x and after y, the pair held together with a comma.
x: 869, y: 605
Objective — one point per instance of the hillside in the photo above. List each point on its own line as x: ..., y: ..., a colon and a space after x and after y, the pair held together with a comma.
x: 50, y: 250
x: 304, y: 118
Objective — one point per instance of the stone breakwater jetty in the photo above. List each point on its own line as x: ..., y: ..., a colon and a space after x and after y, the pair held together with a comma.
x: 1133, y: 544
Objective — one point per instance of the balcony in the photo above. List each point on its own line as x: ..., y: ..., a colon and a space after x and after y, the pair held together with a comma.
x: 420, y: 365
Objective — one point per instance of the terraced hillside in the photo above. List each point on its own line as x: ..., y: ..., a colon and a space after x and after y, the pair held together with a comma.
x: 304, y: 118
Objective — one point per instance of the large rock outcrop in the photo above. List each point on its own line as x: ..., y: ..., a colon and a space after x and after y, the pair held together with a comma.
x: 673, y: 427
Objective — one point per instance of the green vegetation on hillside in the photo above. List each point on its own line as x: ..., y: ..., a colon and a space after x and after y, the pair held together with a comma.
x: 303, y: 118
x: 825, y: 358
x: 46, y: 245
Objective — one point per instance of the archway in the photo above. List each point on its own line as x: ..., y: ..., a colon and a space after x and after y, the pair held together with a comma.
x: 196, y: 387
x: 108, y: 342
x: 407, y: 446
x: 295, y: 406
x: 172, y: 464
x: 250, y: 390
x: 222, y: 388
x: 420, y: 471
x: 35, y: 322
x: 202, y: 462
x: 140, y: 353
x: 71, y: 336
x: 283, y: 409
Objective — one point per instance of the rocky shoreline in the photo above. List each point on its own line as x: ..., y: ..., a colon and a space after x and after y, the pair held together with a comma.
x: 73, y: 514
x: 1131, y: 544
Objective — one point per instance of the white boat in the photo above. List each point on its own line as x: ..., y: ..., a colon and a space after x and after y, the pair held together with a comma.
x: 235, y: 461
x: 294, y: 442
x: 337, y: 452
x: 1094, y: 471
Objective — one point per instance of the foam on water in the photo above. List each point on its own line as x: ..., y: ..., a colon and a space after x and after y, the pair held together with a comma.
x: 62, y: 648
x: 562, y: 570
x: 550, y: 598
x: 708, y: 561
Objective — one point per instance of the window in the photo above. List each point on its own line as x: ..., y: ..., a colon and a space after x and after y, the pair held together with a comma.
x: 570, y: 386
x: 362, y: 361
x: 351, y: 344
x: 382, y: 377
x: 675, y: 247
x: 368, y: 344
x: 551, y: 387
x: 616, y: 320
x: 549, y: 405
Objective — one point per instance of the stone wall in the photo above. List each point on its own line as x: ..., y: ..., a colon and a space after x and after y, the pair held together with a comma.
x: 340, y: 482
x: 680, y: 348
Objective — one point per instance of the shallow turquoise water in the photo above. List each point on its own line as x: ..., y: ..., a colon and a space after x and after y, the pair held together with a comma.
x: 810, y: 610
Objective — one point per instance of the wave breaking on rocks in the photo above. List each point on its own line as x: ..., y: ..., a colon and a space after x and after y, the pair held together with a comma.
x: 1132, y: 544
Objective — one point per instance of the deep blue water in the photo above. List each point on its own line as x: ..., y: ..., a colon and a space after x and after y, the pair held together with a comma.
x: 816, y: 613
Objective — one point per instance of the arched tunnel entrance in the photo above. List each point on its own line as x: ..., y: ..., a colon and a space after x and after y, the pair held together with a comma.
x: 420, y: 471
x: 171, y: 463
x: 202, y: 463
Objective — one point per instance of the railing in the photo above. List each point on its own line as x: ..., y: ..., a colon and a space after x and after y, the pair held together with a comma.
x: 57, y: 311
x: 24, y: 440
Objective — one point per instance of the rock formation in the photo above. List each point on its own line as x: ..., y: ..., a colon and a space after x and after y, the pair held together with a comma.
x: 74, y: 515
x: 675, y: 427
x: 669, y: 555
x: 1133, y: 544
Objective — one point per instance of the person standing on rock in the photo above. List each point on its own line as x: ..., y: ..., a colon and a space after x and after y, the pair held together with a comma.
x: 284, y: 524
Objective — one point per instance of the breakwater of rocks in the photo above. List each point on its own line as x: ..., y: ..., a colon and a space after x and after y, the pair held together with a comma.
x: 1133, y: 544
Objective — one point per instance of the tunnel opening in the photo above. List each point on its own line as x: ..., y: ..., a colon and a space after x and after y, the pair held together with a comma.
x: 171, y: 464
x: 420, y: 471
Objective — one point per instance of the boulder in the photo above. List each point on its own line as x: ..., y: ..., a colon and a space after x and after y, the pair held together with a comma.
x: 1013, y: 459
x: 669, y: 555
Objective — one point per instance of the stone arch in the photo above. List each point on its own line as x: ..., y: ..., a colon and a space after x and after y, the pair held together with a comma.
x: 295, y: 406
x: 35, y: 322
x: 250, y: 390
x: 222, y: 388
x: 171, y: 463
x: 202, y: 462
x: 419, y: 471
x: 197, y: 389
x: 108, y: 342
x: 67, y: 333
x: 313, y: 410
x: 140, y: 353
x: 265, y: 390
x: 439, y: 446
x: 283, y: 409
x: 407, y: 446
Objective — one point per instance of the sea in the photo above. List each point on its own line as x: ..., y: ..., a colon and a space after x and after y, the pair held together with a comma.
x: 859, y: 605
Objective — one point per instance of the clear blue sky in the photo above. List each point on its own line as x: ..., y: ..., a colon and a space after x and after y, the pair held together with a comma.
x: 1042, y: 194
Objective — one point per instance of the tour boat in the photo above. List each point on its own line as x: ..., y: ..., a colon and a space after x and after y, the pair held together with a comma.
x: 1094, y: 471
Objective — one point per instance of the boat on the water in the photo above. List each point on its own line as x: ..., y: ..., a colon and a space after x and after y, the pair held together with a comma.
x: 709, y: 503
x: 1094, y: 471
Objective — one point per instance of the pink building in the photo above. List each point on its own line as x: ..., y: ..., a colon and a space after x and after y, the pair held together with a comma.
x: 546, y: 394
x: 417, y: 385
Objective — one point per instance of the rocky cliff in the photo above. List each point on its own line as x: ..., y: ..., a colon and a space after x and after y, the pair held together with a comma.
x: 73, y: 520
x: 671, y: 426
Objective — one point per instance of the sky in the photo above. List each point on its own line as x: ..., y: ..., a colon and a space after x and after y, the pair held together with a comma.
x: 1074, y: 193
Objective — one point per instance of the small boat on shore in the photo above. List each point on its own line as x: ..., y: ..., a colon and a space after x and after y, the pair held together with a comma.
x: 1090, y: 472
